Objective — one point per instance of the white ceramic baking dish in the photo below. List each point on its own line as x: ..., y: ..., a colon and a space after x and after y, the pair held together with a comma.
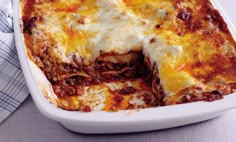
x: 115, y: 122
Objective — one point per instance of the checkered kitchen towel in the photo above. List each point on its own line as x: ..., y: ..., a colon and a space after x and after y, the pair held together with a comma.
x: 13, y: 89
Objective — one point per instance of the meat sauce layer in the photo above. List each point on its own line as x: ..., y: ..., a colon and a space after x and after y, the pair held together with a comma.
x: 197, y: 61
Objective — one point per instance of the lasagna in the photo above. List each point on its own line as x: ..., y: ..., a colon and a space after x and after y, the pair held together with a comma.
x: 128, y: 54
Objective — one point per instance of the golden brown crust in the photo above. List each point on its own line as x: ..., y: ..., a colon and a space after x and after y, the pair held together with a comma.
x: 204, y: 69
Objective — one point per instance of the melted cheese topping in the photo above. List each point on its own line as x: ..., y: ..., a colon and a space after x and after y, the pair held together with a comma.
x: 187, y: 44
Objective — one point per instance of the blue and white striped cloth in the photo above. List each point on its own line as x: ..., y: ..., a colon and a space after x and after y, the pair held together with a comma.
x: 13, y: 89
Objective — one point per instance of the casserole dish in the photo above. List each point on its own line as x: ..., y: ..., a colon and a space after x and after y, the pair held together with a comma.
x: 121, y: 121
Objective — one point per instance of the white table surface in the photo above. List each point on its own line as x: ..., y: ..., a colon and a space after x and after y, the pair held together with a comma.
x: 27, y: 124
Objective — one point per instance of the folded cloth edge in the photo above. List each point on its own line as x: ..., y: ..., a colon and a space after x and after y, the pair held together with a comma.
x: 13, y: 89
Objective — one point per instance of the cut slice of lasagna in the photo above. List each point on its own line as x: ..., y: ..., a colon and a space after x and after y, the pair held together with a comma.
x: 127, y: 54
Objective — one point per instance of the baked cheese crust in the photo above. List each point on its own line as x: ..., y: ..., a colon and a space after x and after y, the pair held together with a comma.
x: 126, y: 54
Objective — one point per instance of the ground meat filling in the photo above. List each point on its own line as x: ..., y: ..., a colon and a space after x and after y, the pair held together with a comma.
x: 68, y: 78
x: 133, y: 67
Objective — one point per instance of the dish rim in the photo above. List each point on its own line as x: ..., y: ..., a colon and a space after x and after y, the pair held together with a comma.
x: 124, y: 116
